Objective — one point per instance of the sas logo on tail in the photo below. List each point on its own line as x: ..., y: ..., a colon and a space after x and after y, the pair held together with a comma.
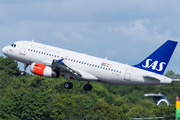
x: 154, y: 65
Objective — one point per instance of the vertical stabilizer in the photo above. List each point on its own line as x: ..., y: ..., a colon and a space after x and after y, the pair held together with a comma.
x: 159, y: 59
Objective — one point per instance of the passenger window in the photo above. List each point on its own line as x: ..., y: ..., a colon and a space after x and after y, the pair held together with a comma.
x: 14, y: 45
x: 87, y: 63
x: 90, y: 64
x: 82, y: 62
x: 111, y: 69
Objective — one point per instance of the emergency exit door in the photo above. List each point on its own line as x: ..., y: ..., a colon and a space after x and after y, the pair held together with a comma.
x: 128, y: 74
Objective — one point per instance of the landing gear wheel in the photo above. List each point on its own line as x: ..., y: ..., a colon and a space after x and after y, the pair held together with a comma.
x: 68, y: 85
x: 87, y: 87
x: 23, y: 73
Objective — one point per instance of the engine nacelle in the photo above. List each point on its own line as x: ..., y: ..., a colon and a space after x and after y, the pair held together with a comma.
x: 43, y: 70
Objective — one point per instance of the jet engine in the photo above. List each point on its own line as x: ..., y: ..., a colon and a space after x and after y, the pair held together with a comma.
x: 43, y: 70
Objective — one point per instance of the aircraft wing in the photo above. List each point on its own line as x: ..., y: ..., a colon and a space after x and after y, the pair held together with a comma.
x: 62, y: 66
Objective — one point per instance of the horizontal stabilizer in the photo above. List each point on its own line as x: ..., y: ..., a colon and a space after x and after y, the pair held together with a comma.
x: 176, y: 79
x: 151, y: 78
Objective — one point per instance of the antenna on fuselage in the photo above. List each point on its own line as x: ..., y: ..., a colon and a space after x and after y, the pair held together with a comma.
x: 106, y: 58
x: 33, y: 40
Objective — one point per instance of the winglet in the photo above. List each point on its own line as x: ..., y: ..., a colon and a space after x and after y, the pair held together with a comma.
x: 61, y: 61
x: 159, y: 59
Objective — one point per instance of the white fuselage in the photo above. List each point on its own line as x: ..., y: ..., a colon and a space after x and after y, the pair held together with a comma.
x: 102, y: 70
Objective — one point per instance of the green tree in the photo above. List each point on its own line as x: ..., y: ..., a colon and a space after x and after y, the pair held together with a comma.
x: 9, y: 66
x: 32, y: 96
x: 88, y: 101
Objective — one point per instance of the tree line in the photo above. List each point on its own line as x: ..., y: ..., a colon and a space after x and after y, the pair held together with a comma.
x: 31, y: 96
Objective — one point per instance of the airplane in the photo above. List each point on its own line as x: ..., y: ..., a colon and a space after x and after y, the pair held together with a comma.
x: 51, y: 62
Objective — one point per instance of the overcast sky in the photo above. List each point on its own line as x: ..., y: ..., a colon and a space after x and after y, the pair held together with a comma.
x: 125, y: 31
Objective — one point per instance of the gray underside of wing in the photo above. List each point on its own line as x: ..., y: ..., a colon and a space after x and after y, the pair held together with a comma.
x: 64, y: 67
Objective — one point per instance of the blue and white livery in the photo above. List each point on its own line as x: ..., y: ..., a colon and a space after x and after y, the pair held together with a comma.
x: 158, y: 60
x: 48, y: 61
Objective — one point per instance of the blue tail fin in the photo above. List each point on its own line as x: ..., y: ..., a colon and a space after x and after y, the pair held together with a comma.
x: 159, y: 59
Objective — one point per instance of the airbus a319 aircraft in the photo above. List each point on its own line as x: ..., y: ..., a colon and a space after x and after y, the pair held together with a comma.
x: 48, y: 61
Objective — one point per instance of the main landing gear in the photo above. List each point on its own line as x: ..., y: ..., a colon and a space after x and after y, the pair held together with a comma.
x: 88, y: 87
x: 23, y: 73
x: 69, y: 85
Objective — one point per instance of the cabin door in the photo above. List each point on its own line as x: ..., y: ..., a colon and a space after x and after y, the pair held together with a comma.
x: 128, y: 74
x: 23, y: 49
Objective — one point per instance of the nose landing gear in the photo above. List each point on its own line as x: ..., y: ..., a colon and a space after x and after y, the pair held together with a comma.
x: 23, y: 73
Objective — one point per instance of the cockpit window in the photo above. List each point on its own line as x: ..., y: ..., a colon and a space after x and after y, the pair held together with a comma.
x: 13, y: 45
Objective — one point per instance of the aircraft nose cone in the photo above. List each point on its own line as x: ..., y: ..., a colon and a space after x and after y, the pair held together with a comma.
x: 4, y: 50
